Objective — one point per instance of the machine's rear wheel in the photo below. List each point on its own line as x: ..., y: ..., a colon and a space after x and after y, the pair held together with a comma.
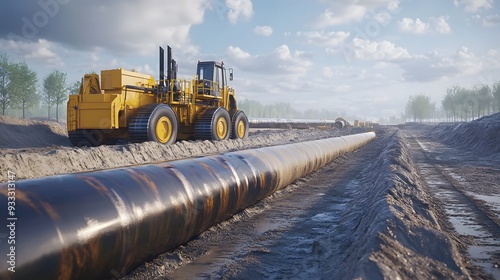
x: 87, y: 137
x: 153, y: 122
x: 239, y: 125
x: 214, y: 124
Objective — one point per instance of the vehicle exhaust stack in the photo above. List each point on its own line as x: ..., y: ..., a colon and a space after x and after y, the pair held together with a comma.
x: 162, y: 68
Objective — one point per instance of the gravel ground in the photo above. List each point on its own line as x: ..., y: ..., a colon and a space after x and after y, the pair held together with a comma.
x: 421, y: 203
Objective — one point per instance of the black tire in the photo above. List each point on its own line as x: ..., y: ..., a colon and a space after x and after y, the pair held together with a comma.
x: 86, y: 137
x: 146, y: 122
x: 239, y: 122
x: 214, y: 124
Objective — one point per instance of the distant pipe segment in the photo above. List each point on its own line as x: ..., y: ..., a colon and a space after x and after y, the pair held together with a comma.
x: 104, y: 224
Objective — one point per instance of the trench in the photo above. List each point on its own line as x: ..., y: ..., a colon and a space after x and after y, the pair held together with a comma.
x: 285, y: 236
x: 471, y: 220
x: 104, y: 224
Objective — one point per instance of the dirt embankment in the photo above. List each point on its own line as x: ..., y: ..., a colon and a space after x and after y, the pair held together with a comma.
x: 398, y: 233
x: 481, y: 136
x: 365, y: 216
x: 35, y: 149
x: 27, y: 133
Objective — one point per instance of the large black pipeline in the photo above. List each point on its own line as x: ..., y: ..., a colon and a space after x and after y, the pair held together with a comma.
x: 103, y: 224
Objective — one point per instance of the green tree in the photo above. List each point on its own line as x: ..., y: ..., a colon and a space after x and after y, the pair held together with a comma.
x: 419, y: 107
x: 74, y: 88
x: 55, y: 89
x: 484, y: 99
x: 22, y: 87
x: 496, y: 95
x: 450, y: 104
x: 4, y: 82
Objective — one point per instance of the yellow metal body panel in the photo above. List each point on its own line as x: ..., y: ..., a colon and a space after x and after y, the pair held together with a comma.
x: 71, y: 122
x: 121, y: 93
x: 116, y: 78
x: 98, y: 111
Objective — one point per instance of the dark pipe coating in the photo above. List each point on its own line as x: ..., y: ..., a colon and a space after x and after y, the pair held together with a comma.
x: 104, y: 224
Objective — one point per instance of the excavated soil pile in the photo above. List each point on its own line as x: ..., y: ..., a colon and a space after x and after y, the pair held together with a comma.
x: 27, y: 133
x: 398, y: 234
x: 35, y: 149
x: 481, y: 135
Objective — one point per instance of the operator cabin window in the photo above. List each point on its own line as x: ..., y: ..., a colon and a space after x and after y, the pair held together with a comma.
x: 217, y: 84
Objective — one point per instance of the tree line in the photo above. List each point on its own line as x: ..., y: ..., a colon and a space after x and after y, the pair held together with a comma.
x: 256, y: 109
x: 458, y: 104
x: 19, y: 88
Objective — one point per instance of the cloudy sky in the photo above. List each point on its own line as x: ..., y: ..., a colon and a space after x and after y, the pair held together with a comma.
x: 363, y: 57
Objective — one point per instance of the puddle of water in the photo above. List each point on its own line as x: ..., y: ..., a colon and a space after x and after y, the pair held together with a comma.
x: 489, y: 268
x: 435, y: 182
x: 492, y: 200
x: 460, y: 214
x: 456, y: 176
x: 483, y: 252
x: 464, y: 226
x: 263, y: 226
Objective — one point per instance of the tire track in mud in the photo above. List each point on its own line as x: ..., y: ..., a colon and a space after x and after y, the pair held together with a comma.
x: 473, y: 220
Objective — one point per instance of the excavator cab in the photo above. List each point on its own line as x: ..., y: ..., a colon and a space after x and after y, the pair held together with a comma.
x: 211, y: 78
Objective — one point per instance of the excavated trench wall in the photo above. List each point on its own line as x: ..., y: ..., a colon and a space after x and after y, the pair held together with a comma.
x: 104, y: 224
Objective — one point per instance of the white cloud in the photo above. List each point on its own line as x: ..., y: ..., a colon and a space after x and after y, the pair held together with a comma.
x: 491, y: 20
x: 146, y: 69
x: 394, y: 7
x: 239, y: 9
x: 328, y: 72
x: 346, y: 11
x: 434, y: 65
x: 342, y: 88
x: 383, y: 50
x: 474, y: 5
x: 383, y: 17
x: 413, y: 26
x: 323, y: 38
x: 41, y: 51
x: 238, y: 54
x: 335, y: 17
x: 417, y: 26
x: 263, y: 30
x: 281, y: 61
x: 441, y: 25
x: 169, y: 22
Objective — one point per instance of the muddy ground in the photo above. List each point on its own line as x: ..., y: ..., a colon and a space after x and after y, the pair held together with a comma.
x: 418, y: 203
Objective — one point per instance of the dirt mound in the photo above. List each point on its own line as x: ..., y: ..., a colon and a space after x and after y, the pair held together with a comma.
x: 27, y: 133
x: 481, y: 135
x: 33, y: 163
x: 398, y: 235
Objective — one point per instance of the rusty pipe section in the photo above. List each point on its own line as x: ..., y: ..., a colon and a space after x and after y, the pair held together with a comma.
x: 103, y: 224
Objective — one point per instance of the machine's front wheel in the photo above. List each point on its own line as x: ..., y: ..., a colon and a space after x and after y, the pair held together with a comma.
x: 153, y: 122
x: 214, y: 124
x: 239, y: 125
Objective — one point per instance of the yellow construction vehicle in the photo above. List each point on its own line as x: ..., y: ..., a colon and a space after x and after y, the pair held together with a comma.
x: 133, y: 106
